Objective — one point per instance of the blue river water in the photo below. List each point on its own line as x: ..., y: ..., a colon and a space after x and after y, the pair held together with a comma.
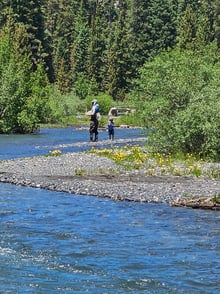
x: 60, y: 243
x: 13, y: 146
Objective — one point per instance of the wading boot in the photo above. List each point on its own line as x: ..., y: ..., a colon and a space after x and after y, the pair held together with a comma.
x: 96, y: 138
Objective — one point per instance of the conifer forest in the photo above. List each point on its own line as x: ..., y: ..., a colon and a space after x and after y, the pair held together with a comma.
x: 161, y: 57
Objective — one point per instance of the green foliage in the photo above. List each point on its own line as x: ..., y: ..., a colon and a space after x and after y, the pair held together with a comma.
x: 118, y: 68
x: 59, y: 24
x: 23, y: 92
x: 81, y: 87
x: 216, y: 7
x: 151, y: 28
x: 128, y: 157
x: 63, y: 106
x: 131, y: 120
x: 54, y: 153
x: 97, y: 48
x: 196, y: 26
x: 91, y: 47
x: 79, y: 52
x: 105, y: 102
x: 177, y: 98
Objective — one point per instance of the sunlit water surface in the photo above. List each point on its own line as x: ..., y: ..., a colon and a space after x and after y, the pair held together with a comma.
x: 60, y: 243
x: 64, y: 139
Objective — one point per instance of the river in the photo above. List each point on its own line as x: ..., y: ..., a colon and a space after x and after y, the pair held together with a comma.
x: 60, y: 243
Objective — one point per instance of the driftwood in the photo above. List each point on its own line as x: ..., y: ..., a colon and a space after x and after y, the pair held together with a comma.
x: 205, y: 202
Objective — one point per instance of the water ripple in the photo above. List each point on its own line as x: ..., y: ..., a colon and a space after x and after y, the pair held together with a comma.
x: 88, y: 245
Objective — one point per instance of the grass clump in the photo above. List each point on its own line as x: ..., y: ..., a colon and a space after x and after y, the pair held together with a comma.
x: 216, y: 199
x: 130, y: 157
x: 80, y: 172
x: 140, y: 157
x: 54, y: 153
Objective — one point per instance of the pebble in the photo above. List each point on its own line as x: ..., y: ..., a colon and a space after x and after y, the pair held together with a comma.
x: 89, y: 174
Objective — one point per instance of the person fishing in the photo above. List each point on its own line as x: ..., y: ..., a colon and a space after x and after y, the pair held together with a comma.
x: 94, y: 121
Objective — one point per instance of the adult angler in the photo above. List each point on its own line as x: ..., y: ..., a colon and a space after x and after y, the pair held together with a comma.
x: 95, y: 116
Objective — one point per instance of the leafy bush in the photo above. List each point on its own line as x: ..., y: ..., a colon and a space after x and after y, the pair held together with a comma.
x: 105, y: 102
x: 62, y: 105
x: 23, y: 92
x: 177, y: 97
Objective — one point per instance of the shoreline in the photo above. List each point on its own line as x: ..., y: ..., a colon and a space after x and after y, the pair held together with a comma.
x: 80, y: 173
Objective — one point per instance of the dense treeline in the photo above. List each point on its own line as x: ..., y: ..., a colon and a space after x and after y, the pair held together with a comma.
x: 95, y: 44
x: 56, y: 53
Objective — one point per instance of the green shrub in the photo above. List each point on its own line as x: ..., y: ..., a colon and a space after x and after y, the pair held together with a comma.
x: 105, y: 102
x: 63, y: 106
x: 131, y: 119
x: 177, y: 98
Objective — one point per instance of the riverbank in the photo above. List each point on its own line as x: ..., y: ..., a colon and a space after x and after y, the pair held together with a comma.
x: 90, y: 174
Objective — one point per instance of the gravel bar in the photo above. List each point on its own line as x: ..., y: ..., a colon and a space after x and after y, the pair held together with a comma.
x: 89, y: 174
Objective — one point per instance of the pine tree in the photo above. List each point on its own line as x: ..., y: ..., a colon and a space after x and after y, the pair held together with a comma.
x: 152, y: 28
x: 79, y: 49
x: 196, y: 28
x: 5, y: 11
x: 205, y: 31
x: 161, y: 26
x: 29, y: 13
x: 216, y: 20
x: 187, y: 29
x: 100, y: 45
x: 97, y: 51
x: 59, y: 19
x: 138, y: 33
x: 117, y: 79
x: 23, y: 95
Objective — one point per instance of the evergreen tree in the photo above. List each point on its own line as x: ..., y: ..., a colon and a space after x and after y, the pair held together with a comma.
x: 187, y: 29
x: 92, y: 46
x: 22, y: 104
x: 205, y: 17
x: 5, y: 11
x: 139, y: 37
x: 118, y: 70
x: 60, y: 16
x: 30, y: 14
x: 79, y: 50
x: 101, y: 21
x: 162, y: 28
x: 216, y: 21
x: 152, y: 28
x: 196, y: 26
